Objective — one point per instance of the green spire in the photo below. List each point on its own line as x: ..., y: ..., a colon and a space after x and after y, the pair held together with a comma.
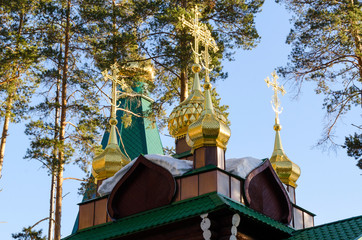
x: 140, y: 137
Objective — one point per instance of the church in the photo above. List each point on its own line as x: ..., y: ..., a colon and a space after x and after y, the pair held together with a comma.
x: 195, y: 194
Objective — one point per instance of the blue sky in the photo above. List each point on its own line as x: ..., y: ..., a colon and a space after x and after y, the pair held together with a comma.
x: 330, y: 183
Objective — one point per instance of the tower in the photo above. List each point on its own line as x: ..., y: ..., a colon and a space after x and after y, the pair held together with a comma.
x: 187, y: 112
x: 141, y: 136
x: 287, y: 171
x: 122, y: 144
x: 208, y: 135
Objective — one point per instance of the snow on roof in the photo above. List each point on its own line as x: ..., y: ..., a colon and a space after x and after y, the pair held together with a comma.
x: 242, y: 166
x: 238, y: 166
x: 176, y: 167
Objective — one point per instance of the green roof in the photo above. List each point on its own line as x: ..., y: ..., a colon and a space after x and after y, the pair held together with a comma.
x: 201, y: 169
x: 346, y: 229
x: 181, y: 155
x: 141, y: 137
x: 174, y: 212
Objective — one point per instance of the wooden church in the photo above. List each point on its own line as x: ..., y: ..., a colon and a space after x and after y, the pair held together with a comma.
x: 196, y: 194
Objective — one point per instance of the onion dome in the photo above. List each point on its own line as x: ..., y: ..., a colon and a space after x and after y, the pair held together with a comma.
x: 111, y: 160
x: 287, y: 170
x: 208, y: 129
x: 189, y: 110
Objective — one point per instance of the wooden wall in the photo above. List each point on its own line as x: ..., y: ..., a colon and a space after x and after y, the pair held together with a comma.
x: 206, y: 182
x: 93, y: 212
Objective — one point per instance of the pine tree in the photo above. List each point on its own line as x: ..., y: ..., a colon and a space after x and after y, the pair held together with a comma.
x: 353, y: 144
x: 29, y: 234
x: 151, y: 30
x: 327, y: 48
x: 65, y: 126
x: 167, y: 42
x: 111, y: 37
x: 18, y: 64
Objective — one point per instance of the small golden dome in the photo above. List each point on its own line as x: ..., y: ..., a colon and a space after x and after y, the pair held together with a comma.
x: 287, y: 171
x: 111, y: 160
x: 189, y: 110
x: 208, y: 129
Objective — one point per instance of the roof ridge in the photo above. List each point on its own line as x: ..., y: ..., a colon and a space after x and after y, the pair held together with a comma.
x: 330, y: 223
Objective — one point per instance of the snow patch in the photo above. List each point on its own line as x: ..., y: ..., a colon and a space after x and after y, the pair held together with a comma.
x: 176, y: 167
x: 242, y: 166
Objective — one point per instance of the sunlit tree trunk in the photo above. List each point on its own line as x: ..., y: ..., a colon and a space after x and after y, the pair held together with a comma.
x: 55, y: 153
x: 9, y: 103
x: 184, y: 60
x: 61, y: 160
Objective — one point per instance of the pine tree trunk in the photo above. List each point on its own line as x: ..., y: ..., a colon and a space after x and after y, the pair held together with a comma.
x: 184, y: 61
x: 59, y: 197
x: 55, y: 151
x: 184, y: 86
x: 58, y: 202
x: 9, y: 103
x: 51, y: 208
x: 114, y: 31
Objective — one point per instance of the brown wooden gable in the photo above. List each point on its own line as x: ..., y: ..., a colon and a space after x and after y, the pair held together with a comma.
x: 145, y: 186
x: 265, y: 193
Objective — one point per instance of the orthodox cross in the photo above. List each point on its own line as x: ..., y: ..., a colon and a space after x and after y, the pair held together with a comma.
x: 197, y: 30
x: 208, y: 41
x: 276, y: 87
x: 201, y: 33
x: 114, y: 78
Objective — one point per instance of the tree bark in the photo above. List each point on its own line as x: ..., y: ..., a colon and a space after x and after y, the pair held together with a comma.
x: 114, y: 31
x: 51, y: 208
x: 184, y: 62
x: 184, y: 86
x: 61, y: 160
x: 9, y: 104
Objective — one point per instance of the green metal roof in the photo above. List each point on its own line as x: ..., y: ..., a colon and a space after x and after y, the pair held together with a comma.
x: 172, y: 213
x: 141, y: 136
x: 346, y: 229
x: 201, y: 169
x: 181, y: 155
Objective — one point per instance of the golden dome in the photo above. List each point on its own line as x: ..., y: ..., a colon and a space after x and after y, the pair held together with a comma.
x: 208, y: 129
x: 287, y: 171
x: 189, y: 110
x: 111, y: 160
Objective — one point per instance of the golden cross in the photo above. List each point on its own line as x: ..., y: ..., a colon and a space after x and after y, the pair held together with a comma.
x: 275, y: 101
x: 114, y: 78
x: 208, y: 41
x: 196, y: 30
x: 199, y: 31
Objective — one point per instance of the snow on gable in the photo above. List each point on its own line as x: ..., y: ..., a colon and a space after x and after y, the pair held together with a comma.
x: 176, y: 167
x: 242, y: 166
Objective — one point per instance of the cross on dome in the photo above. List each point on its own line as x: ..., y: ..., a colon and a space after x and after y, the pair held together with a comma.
x: 275, y: 102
